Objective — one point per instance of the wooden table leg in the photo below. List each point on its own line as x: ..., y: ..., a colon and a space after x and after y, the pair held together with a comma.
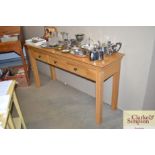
x: 115, y: 89
x: 28, y: 62
x: 35, y: 71
x: 99, y: 92
x: 53, y: 73
x: 25, y: 67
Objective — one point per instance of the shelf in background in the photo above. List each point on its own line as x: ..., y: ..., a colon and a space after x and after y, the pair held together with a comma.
x: 10, y: 62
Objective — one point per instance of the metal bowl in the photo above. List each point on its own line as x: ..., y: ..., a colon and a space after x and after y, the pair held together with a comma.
x: 79, y: 37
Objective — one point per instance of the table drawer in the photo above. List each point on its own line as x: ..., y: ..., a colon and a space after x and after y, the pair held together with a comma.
x: 41, y: 56
x: 58, y: 63
x: 74, y: 68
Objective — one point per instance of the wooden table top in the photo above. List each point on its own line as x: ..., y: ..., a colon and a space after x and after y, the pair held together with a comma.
x: 107, y: 59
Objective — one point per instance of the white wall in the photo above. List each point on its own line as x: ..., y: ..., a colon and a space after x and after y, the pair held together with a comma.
x: 149, y: 100
x: 137, y: 46
x: 33, y: 31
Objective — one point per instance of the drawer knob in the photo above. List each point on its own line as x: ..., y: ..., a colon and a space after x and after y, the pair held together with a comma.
x: 55, y: 62
x: 39, y: 56
x: 75, y: 69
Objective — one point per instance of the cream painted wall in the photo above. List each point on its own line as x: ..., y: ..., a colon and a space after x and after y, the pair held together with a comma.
x: 138, y: 49
x: 149, y: 101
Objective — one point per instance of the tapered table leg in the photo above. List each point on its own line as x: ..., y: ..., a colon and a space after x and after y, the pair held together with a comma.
x: 35, y: 71
x: 115, y: 89
x: 25, y: 67
x: 53, y: 72
x: 99, y: 97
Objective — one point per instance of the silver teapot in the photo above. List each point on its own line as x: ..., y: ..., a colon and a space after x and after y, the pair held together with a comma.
x: 96, y: 54
x: 112, y: 48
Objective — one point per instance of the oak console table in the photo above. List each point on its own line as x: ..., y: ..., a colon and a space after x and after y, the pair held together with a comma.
x: 96, y: 71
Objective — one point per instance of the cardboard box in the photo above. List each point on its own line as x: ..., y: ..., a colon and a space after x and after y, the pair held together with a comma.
x: 19, y: 76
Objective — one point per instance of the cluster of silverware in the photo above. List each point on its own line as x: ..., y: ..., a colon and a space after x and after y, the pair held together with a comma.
x: 98, y: 50
x: 95, y: 51
x: 80, y: 47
